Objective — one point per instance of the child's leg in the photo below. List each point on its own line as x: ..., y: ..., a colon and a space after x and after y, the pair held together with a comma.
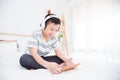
x: 53, y: 58
x: 28, y: 62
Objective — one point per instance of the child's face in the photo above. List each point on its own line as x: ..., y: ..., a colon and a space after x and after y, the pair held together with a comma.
x: 51, y: 29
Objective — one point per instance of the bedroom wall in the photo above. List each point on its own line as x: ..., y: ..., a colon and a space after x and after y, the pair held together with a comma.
x: 24, y: 16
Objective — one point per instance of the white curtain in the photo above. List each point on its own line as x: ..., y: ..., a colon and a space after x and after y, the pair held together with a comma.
x: 96, y: 27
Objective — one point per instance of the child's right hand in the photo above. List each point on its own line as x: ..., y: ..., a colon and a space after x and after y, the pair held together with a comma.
x: 53, y: 67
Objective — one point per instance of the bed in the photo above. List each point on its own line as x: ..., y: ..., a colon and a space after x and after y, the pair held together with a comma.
x: 10, y: 68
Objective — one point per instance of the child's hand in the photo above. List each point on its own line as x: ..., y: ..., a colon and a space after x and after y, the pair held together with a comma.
x: 53, y: 67
x: 68, y: 65
x: 68, y: 61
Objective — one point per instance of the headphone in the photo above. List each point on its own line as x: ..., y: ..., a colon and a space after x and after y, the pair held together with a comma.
x: 42, y: 25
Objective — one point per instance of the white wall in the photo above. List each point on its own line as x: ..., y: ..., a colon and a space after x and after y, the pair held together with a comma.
x: 24, y: 16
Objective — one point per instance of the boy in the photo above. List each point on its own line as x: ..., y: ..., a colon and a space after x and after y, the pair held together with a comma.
x: 42, y: 42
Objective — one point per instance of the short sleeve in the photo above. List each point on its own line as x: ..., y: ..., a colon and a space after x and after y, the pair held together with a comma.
x: 33, y: 41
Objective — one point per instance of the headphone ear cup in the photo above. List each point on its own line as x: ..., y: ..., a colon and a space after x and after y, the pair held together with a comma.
x: 42, y: 25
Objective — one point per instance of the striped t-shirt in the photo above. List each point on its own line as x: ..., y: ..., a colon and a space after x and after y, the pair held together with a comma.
x: 43, y: 48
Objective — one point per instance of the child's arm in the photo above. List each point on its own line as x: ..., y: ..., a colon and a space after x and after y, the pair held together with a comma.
x: 52, y: 66
x: 66, y: 59
x: 60, y: 54
x: 38, y: 59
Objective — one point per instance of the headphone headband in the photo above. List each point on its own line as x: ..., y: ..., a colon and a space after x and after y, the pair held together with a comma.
x: 48, y: 17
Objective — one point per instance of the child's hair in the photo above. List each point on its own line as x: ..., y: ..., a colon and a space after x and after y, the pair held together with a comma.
x: 53, y: 19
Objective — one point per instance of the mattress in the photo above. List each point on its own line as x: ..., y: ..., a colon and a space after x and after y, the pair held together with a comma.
x: 10, y: 68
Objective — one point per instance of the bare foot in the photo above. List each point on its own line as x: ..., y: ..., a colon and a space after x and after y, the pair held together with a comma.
x: 62, y: 65
x: 31, y: 69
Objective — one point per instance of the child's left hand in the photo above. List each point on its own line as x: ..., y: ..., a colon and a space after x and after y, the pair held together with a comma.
x: 68, y: 61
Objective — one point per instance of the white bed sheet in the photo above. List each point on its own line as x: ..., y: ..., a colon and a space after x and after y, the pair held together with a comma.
x: 10, y: 68
x: 88, y: 70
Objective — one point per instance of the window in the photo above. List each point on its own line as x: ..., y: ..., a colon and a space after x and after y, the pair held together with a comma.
x: 97, y: 29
